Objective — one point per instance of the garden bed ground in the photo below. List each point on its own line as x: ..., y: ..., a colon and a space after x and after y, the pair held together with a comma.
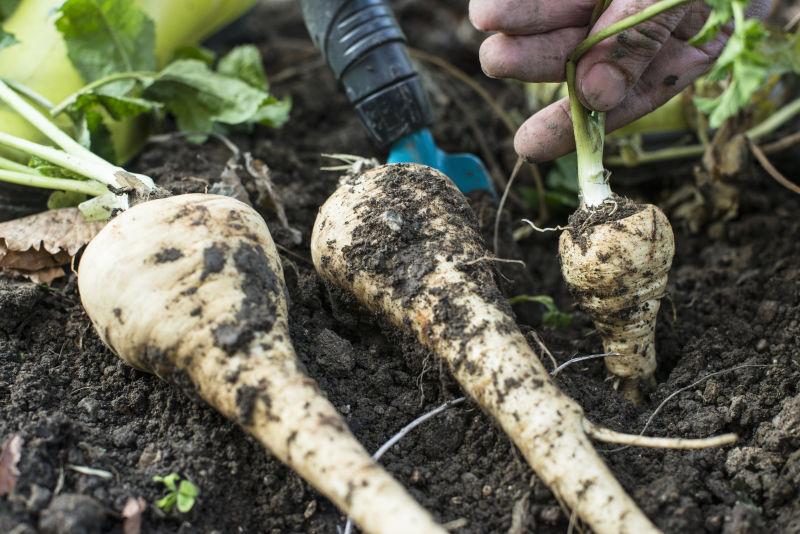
x: 734, y: 299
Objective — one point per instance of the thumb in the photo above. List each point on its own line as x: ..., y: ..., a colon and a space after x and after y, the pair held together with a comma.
x: 611, y: 68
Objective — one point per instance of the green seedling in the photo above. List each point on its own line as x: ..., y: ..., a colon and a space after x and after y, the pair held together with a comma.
x: 552, y: 317
x: 182, y: 493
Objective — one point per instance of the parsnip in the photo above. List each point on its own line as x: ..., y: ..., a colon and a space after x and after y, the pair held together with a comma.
x: 616, y: 254
x: 191, y: 288
x: 617, y: 270
x: 404, y: 241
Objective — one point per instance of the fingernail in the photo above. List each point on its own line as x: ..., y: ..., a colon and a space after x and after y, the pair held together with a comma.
x: 603, y: 87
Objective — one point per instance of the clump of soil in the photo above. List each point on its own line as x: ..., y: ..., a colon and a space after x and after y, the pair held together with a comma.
x: 733, y: 309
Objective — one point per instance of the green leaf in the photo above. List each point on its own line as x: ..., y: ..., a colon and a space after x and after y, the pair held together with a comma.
x: 64, y: 199
x: 7, y: 39
x: 781, y: 50
x: 168, y: 481
x: 117, y: 106
x: 167, y: 503
x: 564, y: 174
x: 187, y: 492
x: 46, y: 168
x: 7, y: 8
x: 742, y: 62
x: 185, y: 503
x: 188, y: 489
x: 721, y: 13
x: 244, y: 63
x: 199, y: 97
x: 552, y: 316
x: 100, y: 138
x: 274, y: 112
x: 107, y: 36
x: 195, y: 52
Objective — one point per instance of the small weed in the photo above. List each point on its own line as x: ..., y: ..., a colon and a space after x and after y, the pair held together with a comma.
x: 552, y: 317
x: 181, y: 493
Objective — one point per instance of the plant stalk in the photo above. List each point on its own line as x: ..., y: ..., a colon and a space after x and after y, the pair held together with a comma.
x: 45, y: 125
x: 89, y: 187
x: 589, y: 129
x: 628, y: 22
x: 8, y: 165
x: 89, y: 169
x: 755, y: 134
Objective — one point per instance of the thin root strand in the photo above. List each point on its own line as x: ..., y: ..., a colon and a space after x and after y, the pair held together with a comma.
x: 607, y: 435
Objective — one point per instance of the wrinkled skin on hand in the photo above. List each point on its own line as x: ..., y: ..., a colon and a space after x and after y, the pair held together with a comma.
x: 628, y: 75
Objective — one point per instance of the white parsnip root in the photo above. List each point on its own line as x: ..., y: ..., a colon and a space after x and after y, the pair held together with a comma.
x: 191, y: 288
x: 616, y: 262
x: 403, y: 240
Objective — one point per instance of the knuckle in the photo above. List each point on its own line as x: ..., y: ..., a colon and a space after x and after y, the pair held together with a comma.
x: 644, y: 40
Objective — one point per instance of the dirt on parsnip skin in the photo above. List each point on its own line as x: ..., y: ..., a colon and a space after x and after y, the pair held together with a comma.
x: 733, y: 300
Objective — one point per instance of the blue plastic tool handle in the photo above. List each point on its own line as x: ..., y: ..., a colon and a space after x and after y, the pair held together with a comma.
x: 466, y: 170
x: 366, y: 49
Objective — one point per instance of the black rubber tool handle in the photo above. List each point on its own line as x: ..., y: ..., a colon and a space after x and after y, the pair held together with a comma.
x: 365, y: 47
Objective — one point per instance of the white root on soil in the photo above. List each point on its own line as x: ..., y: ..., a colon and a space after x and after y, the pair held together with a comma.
x: 618, y: 271
x: 417, y: 278
x: 191, y: 288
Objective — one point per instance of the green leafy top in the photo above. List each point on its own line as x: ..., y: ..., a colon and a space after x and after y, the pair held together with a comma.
x: 107, y: 36
x: 751, y: 55
x: 112, y: 44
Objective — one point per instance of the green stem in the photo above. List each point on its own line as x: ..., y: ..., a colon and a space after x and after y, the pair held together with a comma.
x: 774, y: 121
x: 9, y: 165
x: 89, y: 169
x: 135, y: 75
x: 755, y: 134
x: 628, y: 22
x: 664, y: 154
x: 29, y: 93
x: 589, y: 129
x: 89, y: 187
x: 75, y: 156
x: 52, y: 132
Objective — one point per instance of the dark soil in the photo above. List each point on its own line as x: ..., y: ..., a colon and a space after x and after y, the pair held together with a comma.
x: 733, y: 309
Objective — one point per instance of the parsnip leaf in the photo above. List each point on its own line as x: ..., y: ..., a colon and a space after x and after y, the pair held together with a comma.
x: 95, y: 135
x: 274, y: 112
x: 198, y: 97
x: 721, y: 14
x: 244, y: 62
x: 107, y: 36
x: 745, y: 62
x: 196, y: 52
x: 117, y: 106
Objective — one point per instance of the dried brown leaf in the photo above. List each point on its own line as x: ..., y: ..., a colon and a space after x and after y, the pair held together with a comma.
x: 62, y: 230
x: 31, y: 260
x: 10, y: 453
x: 42, y: 276
x: 268, y: 196
x: 36, y: 246
x: 230, y: 184
x: 133, y: 515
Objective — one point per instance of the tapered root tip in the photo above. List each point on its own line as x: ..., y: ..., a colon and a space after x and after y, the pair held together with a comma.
x: 607, y: 435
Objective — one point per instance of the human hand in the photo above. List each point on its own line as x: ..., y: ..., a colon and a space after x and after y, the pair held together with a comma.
x: 627, y: 75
